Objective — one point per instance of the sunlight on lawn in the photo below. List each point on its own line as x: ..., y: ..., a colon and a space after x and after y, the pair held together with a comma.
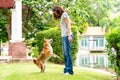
x: 29, y: 71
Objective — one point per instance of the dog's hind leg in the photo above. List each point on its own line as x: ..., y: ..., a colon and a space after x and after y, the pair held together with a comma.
x: 42, y: 67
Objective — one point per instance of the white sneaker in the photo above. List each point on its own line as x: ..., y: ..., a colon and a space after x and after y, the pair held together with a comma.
x: 67, y: 73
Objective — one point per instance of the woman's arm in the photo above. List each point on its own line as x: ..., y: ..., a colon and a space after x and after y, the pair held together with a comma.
x: 67, y: 21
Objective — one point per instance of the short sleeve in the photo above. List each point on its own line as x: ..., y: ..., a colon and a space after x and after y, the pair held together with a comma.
x: 65, y: 15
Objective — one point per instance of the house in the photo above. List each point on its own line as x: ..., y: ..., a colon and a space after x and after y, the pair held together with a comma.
x: 92, y: 48
x: 93, y: 39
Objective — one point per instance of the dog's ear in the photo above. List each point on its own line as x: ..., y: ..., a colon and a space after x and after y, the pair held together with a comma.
x: 34, y: 61
x: 44, y: 40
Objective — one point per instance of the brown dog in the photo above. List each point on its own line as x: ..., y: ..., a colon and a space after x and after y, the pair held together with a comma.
x: 46, y: 53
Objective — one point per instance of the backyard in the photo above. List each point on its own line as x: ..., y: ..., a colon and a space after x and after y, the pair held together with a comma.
x: 24, y: 24
x: 29, y: 71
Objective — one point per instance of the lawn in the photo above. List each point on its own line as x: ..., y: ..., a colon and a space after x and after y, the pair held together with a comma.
x: 29, y: 71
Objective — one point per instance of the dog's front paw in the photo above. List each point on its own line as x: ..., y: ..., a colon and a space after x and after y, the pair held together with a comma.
x: 56, y: 56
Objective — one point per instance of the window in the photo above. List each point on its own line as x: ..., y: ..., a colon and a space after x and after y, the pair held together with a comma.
x: 98, y: 42
x: 85, y: 42
x: 101, y: 42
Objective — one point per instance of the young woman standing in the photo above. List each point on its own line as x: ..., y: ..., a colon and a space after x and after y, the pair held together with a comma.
x: 67, y: 37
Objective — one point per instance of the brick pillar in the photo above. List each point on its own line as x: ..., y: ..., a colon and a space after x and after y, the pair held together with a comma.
x: 17, y: 49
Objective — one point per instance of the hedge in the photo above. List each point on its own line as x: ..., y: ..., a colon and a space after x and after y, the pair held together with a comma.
x: 54, y: 33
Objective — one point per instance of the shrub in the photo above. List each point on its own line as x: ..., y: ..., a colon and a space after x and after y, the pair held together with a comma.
x: 54, y: 33
x: 113, y: 39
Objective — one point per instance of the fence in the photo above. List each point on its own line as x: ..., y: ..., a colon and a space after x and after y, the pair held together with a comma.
x: 92, y: 60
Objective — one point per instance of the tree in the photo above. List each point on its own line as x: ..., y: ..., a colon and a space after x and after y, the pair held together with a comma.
x: 101, y: 11
x: 38, y: 15
x: 115, y: 22
x: 113, y: 39
x: 80, y: 13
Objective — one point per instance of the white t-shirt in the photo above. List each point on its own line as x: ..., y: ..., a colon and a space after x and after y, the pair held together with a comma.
x: 64, y: 30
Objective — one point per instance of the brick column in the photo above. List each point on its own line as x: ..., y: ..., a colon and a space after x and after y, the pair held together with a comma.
x: 17, y: 50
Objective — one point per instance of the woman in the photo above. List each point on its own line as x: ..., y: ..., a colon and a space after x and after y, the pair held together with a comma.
x: 67, y: 37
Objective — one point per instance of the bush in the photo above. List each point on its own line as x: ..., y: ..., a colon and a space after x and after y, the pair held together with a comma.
x: 113, y: 39
x: 54, y: 33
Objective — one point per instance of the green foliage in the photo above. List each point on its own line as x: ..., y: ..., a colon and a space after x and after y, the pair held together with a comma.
x: 115, y: 22
x: 55, y: 34
x: 36, y: 17
x: 3, y: 33
x: 34, y: 52
x: 3, y: 23
x: 113, y: 48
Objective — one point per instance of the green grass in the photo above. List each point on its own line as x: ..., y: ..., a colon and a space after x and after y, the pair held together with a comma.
x: 29, y: 71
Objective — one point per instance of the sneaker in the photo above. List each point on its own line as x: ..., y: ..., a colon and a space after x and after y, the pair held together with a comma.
x: 67, y: 73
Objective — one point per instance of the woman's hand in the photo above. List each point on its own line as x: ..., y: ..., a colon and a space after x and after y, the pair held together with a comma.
x: 70, y: 39
x: 58, y: 26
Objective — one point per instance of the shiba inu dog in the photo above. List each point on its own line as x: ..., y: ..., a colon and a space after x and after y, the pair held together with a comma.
x: 45, y: 55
